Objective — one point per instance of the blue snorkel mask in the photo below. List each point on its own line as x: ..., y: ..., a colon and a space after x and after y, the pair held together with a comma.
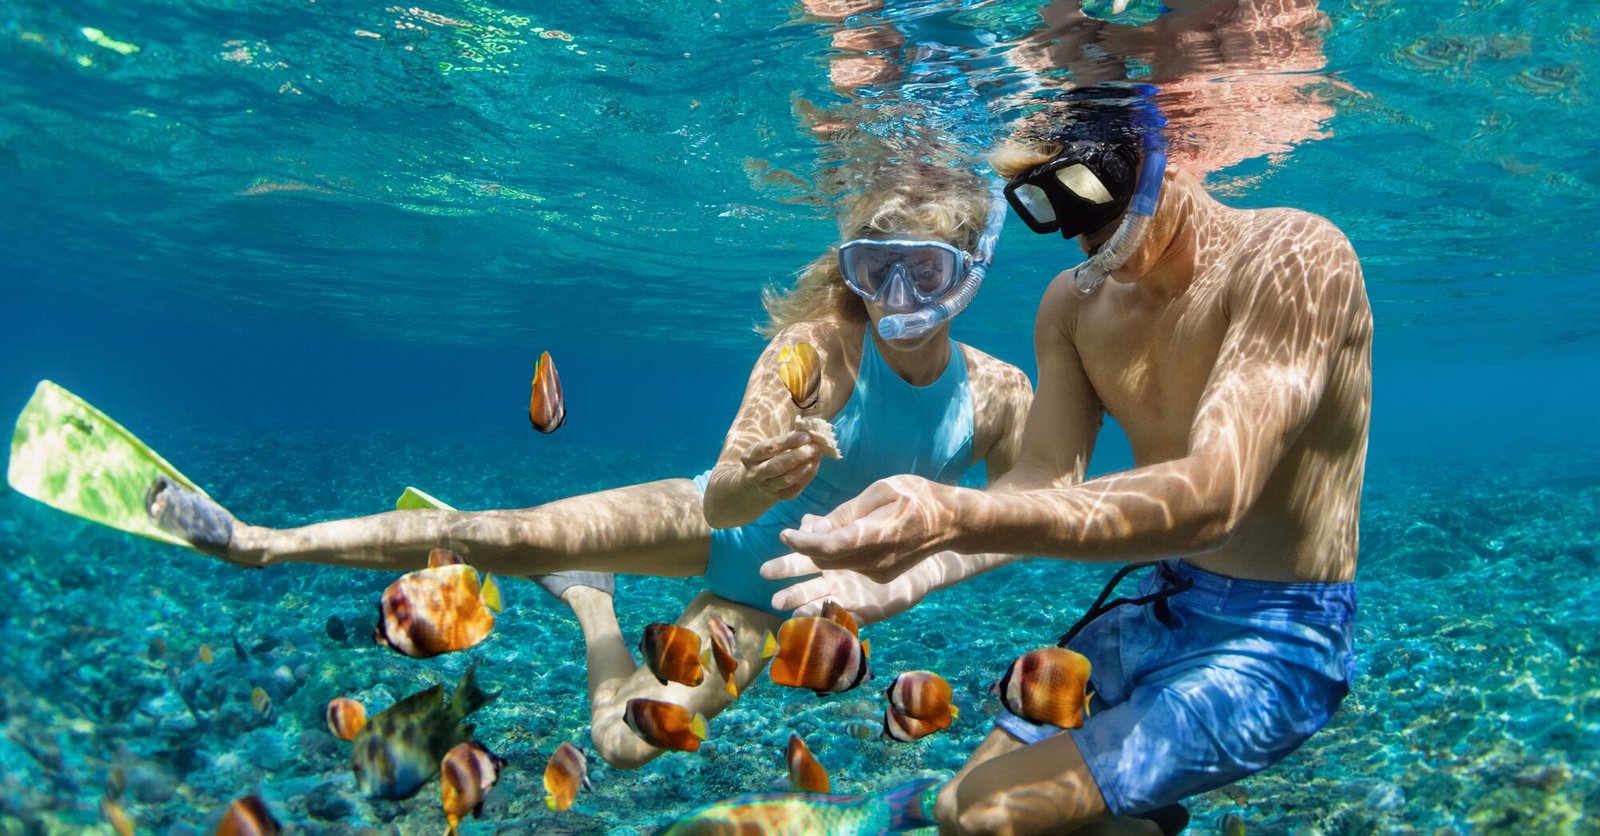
x: 921, y: 283
x: 1091, y: 182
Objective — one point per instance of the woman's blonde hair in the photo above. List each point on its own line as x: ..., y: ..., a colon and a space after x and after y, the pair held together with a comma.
x: 1014, y: 158
x: 933, y: 200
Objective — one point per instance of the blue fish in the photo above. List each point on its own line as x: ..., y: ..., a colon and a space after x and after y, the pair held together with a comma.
x: 905, y: 807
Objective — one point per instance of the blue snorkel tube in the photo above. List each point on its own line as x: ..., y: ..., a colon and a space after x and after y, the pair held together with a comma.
x: 1092, y: 273
x: 909, y: 326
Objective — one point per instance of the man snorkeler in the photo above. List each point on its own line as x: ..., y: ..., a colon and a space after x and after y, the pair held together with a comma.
x: 1234, y: 348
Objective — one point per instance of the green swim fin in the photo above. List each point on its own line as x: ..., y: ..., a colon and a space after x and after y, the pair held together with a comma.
x: 74, y: 458
x: 413, y: 499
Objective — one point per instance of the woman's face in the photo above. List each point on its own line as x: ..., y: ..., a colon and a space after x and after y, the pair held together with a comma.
x: 921, y: 267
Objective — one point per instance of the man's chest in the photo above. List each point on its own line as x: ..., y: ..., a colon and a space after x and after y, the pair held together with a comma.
x: 1150, y: 368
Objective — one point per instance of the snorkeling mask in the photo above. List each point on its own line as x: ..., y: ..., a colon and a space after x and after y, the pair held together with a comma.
x: 1091, y: 182
x: 920, y: 283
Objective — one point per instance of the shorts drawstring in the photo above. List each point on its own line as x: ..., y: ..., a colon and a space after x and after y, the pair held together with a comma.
x: 1174, y: 584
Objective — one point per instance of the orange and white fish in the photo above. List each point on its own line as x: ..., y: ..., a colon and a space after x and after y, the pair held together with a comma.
x: 726, y: 652
x: 835, y: 612
x: 547, y: 408
x: 261, y: 701
x: 805, y: 774
x: 438, y: 610
x: 466, y: 774
x: 898, y: 726
x: 1048, y: 685
x: 567, y: 770
x: 674, y: 654
x: 248, y: 816
x: 443, y: 557
x: 665, y: 725
x: 346, y: 718
x: 115, y: 816
x: 923, y: 695
x: 800, y: 369
x: 817, y: 654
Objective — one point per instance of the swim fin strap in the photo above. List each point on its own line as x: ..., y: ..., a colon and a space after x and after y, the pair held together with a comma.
x: 74, y: 458
x: 413, y: 500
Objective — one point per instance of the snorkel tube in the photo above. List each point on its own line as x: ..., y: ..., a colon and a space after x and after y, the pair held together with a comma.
x: 1092, y: 273
x: 909, y: 326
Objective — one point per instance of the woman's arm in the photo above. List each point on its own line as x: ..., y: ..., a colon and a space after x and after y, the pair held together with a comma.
x: 764, y: 460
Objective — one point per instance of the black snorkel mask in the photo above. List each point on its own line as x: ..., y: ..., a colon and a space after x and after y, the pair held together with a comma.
x: 1086, y: 187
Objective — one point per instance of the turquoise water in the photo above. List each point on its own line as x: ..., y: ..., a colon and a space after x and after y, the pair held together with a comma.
x: 311, y: 266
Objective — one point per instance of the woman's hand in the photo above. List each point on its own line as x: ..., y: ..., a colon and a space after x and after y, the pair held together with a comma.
x: 782, y: 466
x: 884, y: 531
x: 868, y: 600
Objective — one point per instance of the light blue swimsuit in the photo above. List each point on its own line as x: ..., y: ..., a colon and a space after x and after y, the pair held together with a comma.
x: 887, y: 427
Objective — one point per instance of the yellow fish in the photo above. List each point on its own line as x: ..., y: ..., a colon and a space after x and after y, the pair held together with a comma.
x: 817, y: 654
x: 665, y: 725
x: 346, y: 718
x: 1048, y: 685
x: 248, y: 816
x: 547, y: 407
x: 805, y: 773
x: 466, y: 775
x: 726, y: 652
x: 800, y: 369
x: 566, y: 771
x: 674, y: 654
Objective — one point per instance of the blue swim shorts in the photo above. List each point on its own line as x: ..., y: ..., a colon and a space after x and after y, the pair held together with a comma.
x: 1205, y: 687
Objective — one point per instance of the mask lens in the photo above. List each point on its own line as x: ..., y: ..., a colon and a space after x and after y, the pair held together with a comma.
x: 1079, y: 180
x: 931, y: 270
x: 1036, y: 202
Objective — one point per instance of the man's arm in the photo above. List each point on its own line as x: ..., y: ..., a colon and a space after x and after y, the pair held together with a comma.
x: 1284, y: 333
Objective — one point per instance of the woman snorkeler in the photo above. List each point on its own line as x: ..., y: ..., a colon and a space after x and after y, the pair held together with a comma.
x: 915, y: 247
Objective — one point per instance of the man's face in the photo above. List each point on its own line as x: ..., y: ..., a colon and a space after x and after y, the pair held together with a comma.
x: 1092, y: 241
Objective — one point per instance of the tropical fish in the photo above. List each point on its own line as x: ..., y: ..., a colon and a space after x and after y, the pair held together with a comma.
x: 726, y: 652
x: 261, y: 702
x: 817, y: 654
x: 779, y: 814
x: 115, y: 816
x: 805, y: 774
x: 923, y: 695
x: 346, y: 718
x: 1233, y: 825
x: 665, y: 725
x: 800, y: 369
x: 567, y: 770
x: 205, y: 655
x: 835, y: 612
x: 438, y: 610
x: 443, y: 557
x: 466, y: 775
x: 674, y: 654
x: 1048, y: 685
x: 859, y: 731
x: 898, y: 726
x: 547, y: 409
x: 400, y: 749
x: 248, y: 816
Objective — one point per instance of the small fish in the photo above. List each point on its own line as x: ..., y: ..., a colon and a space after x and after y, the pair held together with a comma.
x: 439, y: 610
x: 1237, y: 794
x: 902, y: 808
x: 859, y: 731
x: 817, y: 654
x: 1232, y: 825
x: 725, y: 651
x: 261, y: 702
x: 897, y: 726
x: 466, y: 774
x: 115, y: 816
x: 443, y: 557
x: 157, y: 648
x: 400, y: 749
x: 116, y: 782
x: 567, y: 770
x: 805, y: 774
x: 800, y: 369
x: 835, y: 612
x: 674, y: 654
x: 547, y: 409
x: 1048, y: 685
x: 248, y: 816
x: 665, y: 725
x: 346, y: 718
x: 923, y: 695
x: 205, y: 655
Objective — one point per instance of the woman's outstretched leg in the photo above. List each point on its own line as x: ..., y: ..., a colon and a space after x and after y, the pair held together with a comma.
x: 656, y: 528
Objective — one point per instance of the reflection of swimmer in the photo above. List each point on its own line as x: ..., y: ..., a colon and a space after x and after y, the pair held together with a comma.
x: 1237, y: 79
x: 1234, y: 348
x: 921, y: 404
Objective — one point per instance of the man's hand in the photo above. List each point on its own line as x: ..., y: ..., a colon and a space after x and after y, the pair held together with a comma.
x: 868, y: 600
x: 882, y: 532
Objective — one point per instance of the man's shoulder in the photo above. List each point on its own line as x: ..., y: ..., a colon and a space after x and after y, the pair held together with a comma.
x: 1283, y: 230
